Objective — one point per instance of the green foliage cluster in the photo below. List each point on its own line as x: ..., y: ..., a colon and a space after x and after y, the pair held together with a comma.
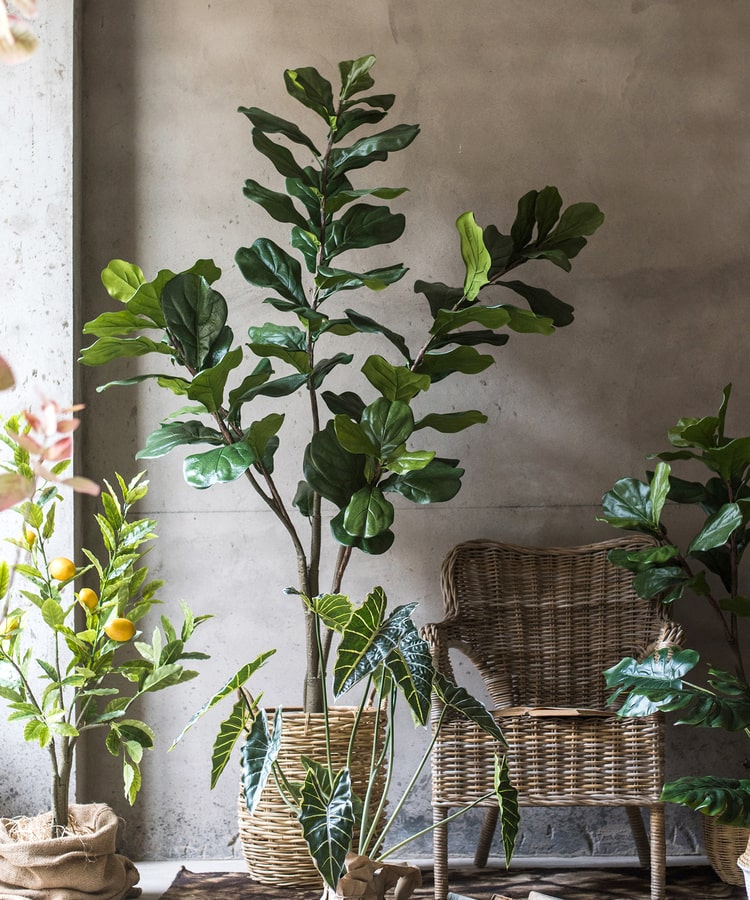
x: 707, y: 568
x: 382, y: 654
x: 75, y: 688
x: 362, y: 447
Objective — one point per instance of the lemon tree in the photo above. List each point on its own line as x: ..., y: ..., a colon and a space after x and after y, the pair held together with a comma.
x: 87, y: 683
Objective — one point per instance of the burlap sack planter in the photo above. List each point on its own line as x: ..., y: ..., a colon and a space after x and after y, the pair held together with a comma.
x: 77, y: 866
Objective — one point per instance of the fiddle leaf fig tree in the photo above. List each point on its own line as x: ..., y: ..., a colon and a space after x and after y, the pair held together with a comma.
x: 367, y: 443
x: 707, y: 567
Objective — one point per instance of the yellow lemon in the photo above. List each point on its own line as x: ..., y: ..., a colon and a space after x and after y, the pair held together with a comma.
x: 88, y: 598
x: 120, y: 630
x: 30, y: 537
x: 62, y: 568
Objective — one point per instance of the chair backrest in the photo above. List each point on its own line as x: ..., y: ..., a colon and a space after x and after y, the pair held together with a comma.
x: 542, y: 624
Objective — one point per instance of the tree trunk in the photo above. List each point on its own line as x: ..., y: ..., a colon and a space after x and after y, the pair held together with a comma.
x: 61, y: 772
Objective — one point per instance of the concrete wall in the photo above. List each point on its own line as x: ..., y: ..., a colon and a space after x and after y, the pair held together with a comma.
x: 37, y: 329
x: 640, y: 107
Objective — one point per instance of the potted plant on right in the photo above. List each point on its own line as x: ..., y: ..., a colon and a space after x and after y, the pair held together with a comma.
x: 364, y: 443
x: 708, y: 568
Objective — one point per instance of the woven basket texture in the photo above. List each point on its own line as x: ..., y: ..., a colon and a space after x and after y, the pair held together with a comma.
x: 271, y: 839
x: 724, y: 845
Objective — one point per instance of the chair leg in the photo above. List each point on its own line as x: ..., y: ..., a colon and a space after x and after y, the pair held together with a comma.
x: 440, y: 853
x: 485, y: 836
x: 658, y: 853
x: 639, y: 835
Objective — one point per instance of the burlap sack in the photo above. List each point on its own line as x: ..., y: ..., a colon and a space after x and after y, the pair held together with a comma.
x: 75, y: 867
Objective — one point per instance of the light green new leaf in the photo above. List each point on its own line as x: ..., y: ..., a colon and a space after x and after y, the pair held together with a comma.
x: 659, y: 491
x: 122, y: 279
x: 474, y: 253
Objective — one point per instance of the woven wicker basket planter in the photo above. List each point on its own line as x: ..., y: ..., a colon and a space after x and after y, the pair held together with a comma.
x: 272, y: 844
x: 724, y: 845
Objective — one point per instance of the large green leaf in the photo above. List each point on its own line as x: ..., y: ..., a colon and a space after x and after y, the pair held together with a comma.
x: 368, y: 513
x: 208, y: 386
x: 114, y: 324
x: 649, y: 683
x: 393, y: 382
x: 327, y: 821
x: 410, y: 664
x: 314, y: 91
x: 330, y: 470
x: 105, y: 349
x: 725, y: 799
x: 266, y: 265
x: 547, y: 211
x: 731, y: 460
x: 367, y: 640
x: 542, y: 302
x: 388, y: 424
x: 219, y: 466
x: 474, y: 254
x: 628, y: 505
x: 577, y: 220
x: 262, y: 440
x: 458, y: 698
x: 355, y: 76
x: 361, y: 226
x: 374, y: 148
x: 330, y: 281
x: 718, y: 529
x: 451, y: 423
x: 507, y: 800
x: 259, y: 753
x: 439, y: 295
x: 370, y: 326
x: 340, y: 198
x: 491, y: 317
x: 195, y: 315
x: 335, y: 610
x: 282, y: 159
x: 268, y: 123
x: 523, y: 225
x: 352, y: 437
x: 279, y: 206
x: 229, y: 687
x: 465, y: 360
x: 437, y: 482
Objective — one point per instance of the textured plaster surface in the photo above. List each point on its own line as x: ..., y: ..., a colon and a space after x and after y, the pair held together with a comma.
x: 36, y: 301
x: 641, y: 107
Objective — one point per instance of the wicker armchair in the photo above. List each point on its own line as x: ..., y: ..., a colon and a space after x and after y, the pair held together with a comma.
x: 541, y: 625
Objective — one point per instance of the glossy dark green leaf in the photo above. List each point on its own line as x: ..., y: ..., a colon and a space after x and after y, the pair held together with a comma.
x: 330, y: 470
x: 267, y: 123
x: 465, y: 360
x: 450, y: 320
x: 657, y: 580
x: 278, y: 206
x: 542, y: 302
x: 340, y: 198
x: 374, y: 148
x: 311, y: 89
x: 577, y: 220
x: 352, y: 437
x: 281, y: 387
x: 261, y: 438
x: 366, y: 325
x: 507, y: 800
x: 725, y: 799
x: 500, y: 247
x: 410, y: 664
x: 368, y: 513
x: 375, y: 546
x: 637, y: 560
x: 460, y: 699
x: 368, y: 639
x: 347, y: 403
x: 308, y: 245
x: 438, y: 482
x: 388, y: 424
x: 327, y: 821
x: 177, y: 434
x: 718, y: 529
x: 219, y: 466
x: 731, y: 460
x: 362, y: 226
x: 628, y: 505
x: 324, y: 366
x: 523, y: 225
x: 547, y: 211
x: 469, y: 339
x: 330, y: 281
x: 259, y: 753
x: 355, y: 76
x: 195, y: 315
x: 268, y: 266
x: 650, y: 682
x: 208, y: 386
x: 451, y: 423
x: 248, y: 388
x: 439, y: 295
x: 282, y: 159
